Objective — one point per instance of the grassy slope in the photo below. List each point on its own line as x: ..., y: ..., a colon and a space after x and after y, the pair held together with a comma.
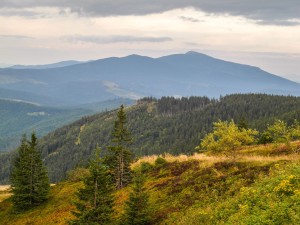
x: 261, y: 187
x: 55, y: 211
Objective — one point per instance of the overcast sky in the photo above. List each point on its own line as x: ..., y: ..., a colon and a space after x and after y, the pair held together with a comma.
x: 263, y: 33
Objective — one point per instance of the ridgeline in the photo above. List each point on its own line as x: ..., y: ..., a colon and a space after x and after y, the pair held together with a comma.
x: 167, y: 125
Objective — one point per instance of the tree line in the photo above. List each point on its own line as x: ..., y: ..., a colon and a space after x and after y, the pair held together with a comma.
x: 228, y: 137
x: 95, y: 201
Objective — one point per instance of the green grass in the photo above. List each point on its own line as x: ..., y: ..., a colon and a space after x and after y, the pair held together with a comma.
x: 57, y: 210
x: 266, y: 194
x: 256, y: 188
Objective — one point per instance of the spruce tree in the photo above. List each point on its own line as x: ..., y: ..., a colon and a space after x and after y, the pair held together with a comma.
x: 243, y: 123
x: 137, y: 207
x: 95, y: 200
x: 29, y: 178
x: 121, y: 156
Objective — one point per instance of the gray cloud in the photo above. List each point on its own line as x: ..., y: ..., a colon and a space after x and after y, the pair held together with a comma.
x: 15, y: 36
x: 112, y: 39
x: 189, y: 19
x: 277, y: 12
x: 279, y: 22
x: 19, y: 12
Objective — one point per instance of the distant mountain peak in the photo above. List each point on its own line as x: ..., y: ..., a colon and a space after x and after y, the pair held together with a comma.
x: 193, y: 53
x: 201, y: 56
x: 136, y: 56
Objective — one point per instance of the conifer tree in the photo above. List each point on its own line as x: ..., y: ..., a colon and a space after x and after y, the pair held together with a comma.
x: 120, y: 157
x: 137, y: 207
x: 243, y: 123
x: 29, y: 178
x: 95, y: 199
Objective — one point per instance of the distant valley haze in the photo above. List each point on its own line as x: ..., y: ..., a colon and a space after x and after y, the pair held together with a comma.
x: 133, y: 77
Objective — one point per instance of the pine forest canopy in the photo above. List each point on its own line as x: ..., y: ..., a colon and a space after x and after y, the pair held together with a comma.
x: 157, y: 126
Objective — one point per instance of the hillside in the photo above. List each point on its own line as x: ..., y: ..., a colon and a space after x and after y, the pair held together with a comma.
x: 18, y: 117
x: 134, y: 76
x: 198, y: 189
x: 166, y: 125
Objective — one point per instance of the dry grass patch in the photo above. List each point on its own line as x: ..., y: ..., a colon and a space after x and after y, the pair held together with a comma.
x: 4, y: 196
x: 4, y: 192
x: 4, y: 187
x: 204, y: 160
x: 209, y: 160
x: 291, y: 157
x: 270, y: 149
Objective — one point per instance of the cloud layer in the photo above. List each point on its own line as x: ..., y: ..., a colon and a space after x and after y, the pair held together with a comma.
x: 113, y: 39
x: 15, y: 36
x: 276, y: 12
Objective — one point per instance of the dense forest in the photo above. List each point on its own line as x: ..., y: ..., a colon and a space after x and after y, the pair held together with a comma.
x: 158, y: 126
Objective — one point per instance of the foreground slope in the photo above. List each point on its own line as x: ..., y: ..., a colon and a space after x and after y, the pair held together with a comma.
x: 166, y: 125
x: 198, y: 189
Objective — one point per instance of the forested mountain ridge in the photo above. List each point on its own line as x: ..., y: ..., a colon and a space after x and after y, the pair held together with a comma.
x: 165, y: 125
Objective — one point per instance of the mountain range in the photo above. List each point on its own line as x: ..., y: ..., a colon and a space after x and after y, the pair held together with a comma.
x: 192, y: 74
x: 47, y: 66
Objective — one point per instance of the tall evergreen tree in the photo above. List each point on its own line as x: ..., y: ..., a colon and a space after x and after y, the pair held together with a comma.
x: 137, y: 207
x: 121, y: 156
x: 95, y: 199
x: 29, y: 178
x: 243, y: 123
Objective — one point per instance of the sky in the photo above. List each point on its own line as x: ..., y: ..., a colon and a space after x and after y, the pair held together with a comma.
x: 262, y: 33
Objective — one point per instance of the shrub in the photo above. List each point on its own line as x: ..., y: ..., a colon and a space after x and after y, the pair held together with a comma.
x: 145, y: 167
x: 160, y: 161
x: 77, y: 174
